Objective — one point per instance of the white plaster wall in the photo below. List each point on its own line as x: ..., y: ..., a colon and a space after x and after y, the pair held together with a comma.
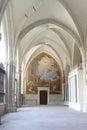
x: 76, y: 89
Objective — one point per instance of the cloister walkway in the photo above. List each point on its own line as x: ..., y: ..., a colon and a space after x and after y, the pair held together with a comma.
x: 44, y: 118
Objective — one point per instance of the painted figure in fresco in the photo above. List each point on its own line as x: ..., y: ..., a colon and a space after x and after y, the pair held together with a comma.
x: 47, y: 69
x: 32, y: 88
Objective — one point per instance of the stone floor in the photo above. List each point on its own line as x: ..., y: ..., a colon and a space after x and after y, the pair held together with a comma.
x: 45, y: 118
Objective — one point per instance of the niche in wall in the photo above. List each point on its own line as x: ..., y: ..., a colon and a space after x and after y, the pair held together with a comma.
x: 73, y: 88
x: 43, y: 71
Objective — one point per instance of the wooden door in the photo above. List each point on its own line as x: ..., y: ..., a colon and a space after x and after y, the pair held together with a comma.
x: 43, y: 97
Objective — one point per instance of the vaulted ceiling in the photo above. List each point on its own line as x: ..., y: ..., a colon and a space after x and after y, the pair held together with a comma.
x: 51, y: 26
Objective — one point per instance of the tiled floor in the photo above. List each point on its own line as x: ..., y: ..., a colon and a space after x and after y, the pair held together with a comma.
x: 45, y: 118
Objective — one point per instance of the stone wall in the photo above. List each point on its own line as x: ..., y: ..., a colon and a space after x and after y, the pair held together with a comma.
x: 55, y: 99
x: 32, y: 99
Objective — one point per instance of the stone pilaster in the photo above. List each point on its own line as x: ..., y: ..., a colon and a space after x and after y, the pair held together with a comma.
x: 20, y: 97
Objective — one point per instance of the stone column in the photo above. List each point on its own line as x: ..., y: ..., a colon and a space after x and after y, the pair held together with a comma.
x: 20, y: 96
x: 10, y: 91
x: 66, y: 96
x: 18, y: 88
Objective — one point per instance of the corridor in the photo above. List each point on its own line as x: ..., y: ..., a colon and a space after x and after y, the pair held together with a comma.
x: 44, y: 118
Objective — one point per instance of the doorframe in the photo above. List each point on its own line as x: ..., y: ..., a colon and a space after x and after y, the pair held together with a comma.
x: 43, y: 97
x: 43, y: 89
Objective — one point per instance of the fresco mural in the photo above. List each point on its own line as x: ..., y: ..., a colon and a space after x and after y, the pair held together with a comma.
x: 43, y: 71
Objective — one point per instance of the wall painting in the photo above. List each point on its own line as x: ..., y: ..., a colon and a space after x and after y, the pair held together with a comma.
x: 43, y: 71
